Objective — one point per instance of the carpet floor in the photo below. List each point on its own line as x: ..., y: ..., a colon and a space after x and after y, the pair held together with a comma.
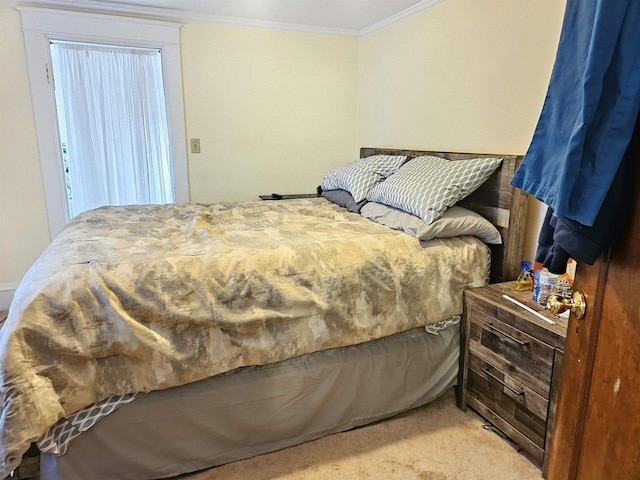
x: 434, y: 442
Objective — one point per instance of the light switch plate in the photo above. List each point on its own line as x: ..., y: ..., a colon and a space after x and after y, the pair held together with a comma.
x: 195, y: 145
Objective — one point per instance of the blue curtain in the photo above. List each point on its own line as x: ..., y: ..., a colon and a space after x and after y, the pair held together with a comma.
x: 590, y: 110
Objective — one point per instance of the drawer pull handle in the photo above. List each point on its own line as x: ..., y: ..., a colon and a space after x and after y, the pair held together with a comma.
x: 513, y: 390
x: 506, y: 335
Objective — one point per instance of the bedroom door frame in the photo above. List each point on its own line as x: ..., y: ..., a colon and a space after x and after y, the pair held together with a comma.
x: 42, y: 25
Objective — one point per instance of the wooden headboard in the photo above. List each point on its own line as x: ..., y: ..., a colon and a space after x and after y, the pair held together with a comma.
x: 496, y: 200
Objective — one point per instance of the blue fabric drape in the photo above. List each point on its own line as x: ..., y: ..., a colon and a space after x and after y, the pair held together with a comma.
x: 562, y: 238
x: 590, y: 109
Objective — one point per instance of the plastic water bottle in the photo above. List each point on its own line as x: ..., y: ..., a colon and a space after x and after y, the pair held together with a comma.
x: 548, y: 283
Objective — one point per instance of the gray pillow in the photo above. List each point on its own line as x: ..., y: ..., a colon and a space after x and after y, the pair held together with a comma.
x: 427, y: 186
x: 344, y: 199
x: 455, y: 221
x: 359, y: 177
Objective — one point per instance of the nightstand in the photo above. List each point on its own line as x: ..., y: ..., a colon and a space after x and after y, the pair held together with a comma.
x: 510, y: 365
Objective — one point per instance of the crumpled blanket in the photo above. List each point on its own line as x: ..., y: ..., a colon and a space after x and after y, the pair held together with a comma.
x: 139, y: 298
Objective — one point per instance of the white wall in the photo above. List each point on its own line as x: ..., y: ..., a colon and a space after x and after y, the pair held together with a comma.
x: 465, y: 75
x: 23, y: 217
x: 275, y: 110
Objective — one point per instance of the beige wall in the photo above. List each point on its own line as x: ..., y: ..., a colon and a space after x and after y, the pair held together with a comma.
x: 465, y: 75
x: 275, y: 110
x: 24, y: 230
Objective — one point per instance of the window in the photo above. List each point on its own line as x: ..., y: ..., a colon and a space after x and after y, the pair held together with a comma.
x: 112, y: 125
x: 43, y: 26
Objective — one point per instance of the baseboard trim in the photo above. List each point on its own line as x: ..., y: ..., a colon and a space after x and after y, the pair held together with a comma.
x: 6, y: 294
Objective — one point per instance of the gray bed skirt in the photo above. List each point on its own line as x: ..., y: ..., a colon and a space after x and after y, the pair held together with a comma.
x: 256, y: 410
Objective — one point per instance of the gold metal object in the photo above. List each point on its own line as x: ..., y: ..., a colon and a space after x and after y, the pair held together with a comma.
x: 577, y: 303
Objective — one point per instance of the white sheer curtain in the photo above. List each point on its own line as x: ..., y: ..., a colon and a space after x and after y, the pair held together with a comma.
x: 112, y: 116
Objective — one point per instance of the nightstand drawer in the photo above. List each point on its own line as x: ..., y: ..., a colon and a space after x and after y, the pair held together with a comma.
x: 519, y: 406
x: 523, y: 357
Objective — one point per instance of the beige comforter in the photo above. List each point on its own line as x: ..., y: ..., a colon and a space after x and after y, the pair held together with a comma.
x: 142, y: 298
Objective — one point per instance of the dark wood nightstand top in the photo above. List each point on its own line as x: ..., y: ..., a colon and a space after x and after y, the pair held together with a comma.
x: 493, y: 294
x: 287, y: 196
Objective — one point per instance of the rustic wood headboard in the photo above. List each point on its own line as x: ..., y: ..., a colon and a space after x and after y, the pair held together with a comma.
x: 496, y: 200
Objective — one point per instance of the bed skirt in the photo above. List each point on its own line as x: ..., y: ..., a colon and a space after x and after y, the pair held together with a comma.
x: 255, y: 410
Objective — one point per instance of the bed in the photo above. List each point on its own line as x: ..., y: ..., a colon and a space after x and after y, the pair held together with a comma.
x: 269, y: 324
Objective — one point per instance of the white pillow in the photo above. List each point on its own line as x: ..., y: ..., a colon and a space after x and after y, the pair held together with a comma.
x: 455, y: 221
x: 427, y: 186
x: 360, y: 176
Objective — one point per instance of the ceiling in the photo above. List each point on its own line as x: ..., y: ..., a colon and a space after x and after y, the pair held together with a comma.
x: 350, y: 17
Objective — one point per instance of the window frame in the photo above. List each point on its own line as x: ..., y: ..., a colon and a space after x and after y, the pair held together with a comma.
x: 40, y: 26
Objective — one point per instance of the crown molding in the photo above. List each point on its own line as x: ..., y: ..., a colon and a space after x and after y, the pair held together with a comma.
x: 181, y: 15
x: 99, y: 6
x: 32, y: 19
x: 407, y: 12
x: 293, y: 27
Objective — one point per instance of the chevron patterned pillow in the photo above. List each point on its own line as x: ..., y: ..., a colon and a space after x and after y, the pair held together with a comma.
x: 360, y: 176
x: 427, y: 186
